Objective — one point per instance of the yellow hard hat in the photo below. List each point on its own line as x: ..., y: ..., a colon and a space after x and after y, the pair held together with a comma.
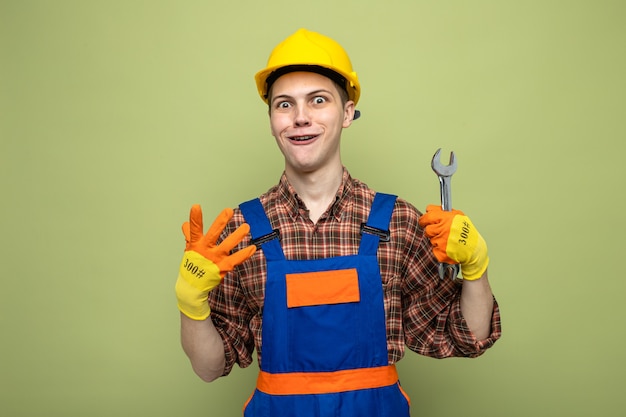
x: 309, y: 51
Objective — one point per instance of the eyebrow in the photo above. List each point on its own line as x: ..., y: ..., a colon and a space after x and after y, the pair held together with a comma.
x: 309, y: 94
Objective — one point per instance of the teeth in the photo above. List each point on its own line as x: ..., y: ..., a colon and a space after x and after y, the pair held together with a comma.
x: 301, y: 138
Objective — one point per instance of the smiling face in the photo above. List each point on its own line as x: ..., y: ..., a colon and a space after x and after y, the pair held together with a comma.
x: 307, y: 115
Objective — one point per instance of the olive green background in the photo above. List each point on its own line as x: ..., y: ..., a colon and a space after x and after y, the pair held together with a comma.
x: 116, y: 116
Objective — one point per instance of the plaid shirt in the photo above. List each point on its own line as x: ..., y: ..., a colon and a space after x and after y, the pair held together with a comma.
x: 422, y: 311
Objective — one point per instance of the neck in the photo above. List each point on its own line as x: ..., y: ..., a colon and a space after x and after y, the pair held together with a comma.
x: 316, y: 189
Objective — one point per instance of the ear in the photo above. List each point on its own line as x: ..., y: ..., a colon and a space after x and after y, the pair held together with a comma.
x: 269, y: 119
x: 348, y: 113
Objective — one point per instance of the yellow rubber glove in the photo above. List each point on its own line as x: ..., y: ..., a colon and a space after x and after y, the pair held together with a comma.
x: 455, y: 240
x: 204, y: 263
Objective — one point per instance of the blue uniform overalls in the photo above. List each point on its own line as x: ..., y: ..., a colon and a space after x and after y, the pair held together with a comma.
x: 324, y: 334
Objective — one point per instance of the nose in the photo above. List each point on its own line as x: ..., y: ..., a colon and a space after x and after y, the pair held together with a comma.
x: 302, y: 117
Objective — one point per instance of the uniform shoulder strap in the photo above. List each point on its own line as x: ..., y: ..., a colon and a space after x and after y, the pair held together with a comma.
x: 377, y: 227
x: 263, y: 236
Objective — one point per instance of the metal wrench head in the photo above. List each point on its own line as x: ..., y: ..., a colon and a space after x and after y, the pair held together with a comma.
x: 443, y: 170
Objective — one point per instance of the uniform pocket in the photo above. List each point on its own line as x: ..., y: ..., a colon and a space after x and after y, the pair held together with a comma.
x: 323, y: 287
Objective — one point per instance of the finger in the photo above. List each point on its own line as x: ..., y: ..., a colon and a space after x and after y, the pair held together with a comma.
x: 433, y: 208
x: 195, y: 223
x: 218, y: 225
x: 429, y: 217
x: 186, y: 232
x: 230, y: 262
x: 442, y: 256
x: 435, y: 230
x: 234, y: 238
x: 437, y: 216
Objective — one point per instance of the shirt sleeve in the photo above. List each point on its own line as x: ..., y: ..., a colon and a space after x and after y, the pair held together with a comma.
x: 432, y: 320
x: 231, y: 316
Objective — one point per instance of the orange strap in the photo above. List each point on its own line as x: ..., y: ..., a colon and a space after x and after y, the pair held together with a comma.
x: 295, y: 383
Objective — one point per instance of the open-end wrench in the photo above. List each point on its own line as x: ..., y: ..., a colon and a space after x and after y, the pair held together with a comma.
x: 444, y: 173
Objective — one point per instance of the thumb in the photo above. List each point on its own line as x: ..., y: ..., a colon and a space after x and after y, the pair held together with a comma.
x: 186, y: 232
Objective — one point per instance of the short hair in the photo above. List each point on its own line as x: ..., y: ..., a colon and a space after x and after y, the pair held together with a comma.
x: 336, y: 78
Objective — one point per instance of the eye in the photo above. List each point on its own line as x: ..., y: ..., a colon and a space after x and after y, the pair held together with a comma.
x: 283, y: 105
x: 319, y: 100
